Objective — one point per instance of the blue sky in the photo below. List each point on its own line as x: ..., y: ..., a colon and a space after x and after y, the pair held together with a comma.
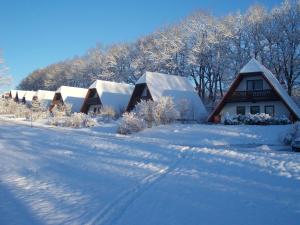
x: 36, y: 33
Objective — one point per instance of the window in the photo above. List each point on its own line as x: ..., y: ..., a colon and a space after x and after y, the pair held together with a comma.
x: 240, y: 110
x: 254, y: 109
x: 145, y: 92
x: 253, y: 85
x: 269, y: 109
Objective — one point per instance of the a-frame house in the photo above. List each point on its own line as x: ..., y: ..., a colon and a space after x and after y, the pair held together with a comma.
x: 255, y: 90
x: 69, y: 95
x: 153, y: 86
x: 106, y: 93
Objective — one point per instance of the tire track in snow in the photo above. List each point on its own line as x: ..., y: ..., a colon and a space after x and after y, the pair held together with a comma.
x: 113, y: 212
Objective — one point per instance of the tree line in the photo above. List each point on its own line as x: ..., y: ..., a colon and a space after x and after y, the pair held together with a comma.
x: 207, y: 49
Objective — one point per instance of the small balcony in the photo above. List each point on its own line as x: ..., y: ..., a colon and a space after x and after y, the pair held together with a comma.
x: 253, y: 96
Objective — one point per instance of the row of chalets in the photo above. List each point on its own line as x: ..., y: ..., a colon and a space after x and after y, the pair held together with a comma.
x: 254, y: 90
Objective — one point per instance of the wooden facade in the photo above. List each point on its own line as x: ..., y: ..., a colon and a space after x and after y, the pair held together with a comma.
x: 140, y: 92
x: 57, y: 100
x: 92, y: 98
x: 253, y: 96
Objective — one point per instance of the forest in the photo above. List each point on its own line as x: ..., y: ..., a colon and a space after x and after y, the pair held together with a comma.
x: 207, y: 49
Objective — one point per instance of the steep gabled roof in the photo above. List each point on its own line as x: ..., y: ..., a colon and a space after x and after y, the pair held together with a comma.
x: 113, y: 94
x: 253, y: 66
x: 176, y: 87
x: 73, y: 96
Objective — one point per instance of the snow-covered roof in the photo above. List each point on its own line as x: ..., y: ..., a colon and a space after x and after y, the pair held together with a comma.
x: 254, y: 66
x: 73, y: 96
x: 21, y: 94
x: 116, y: 95
x: 29, y: 95
x: 177, y: 87
x: 43, y: 95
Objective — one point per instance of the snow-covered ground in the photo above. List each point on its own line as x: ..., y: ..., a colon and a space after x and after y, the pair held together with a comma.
x: 177, y: 174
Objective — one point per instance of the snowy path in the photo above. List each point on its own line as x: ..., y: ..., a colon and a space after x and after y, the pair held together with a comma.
x: 196, y: 174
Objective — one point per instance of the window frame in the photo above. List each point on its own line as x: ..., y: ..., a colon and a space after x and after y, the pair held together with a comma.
x: 271, y: 106
x: 253, y: 84
x: 243, y: 109
x: 254, y: 106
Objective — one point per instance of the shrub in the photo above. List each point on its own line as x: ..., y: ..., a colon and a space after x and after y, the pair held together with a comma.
x: 9, y: 106
x: 61, y: 110
x: 131, y: 123
x: 146, y: 110
x: 165, y: 111
x: 107, y: 113
x: 76, y: 120
x: 256, y: 119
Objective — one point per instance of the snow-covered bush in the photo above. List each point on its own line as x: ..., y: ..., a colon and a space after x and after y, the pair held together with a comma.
x: 61, y: 110
x: 159, y: 112
x: 107, y: 113
x: 146, y: 111
x: 76, y: 120
x: 256, y: 119
x: 9, y: 106
x: 131, y: 123
x: 165, y: 111
x: 231, y: 120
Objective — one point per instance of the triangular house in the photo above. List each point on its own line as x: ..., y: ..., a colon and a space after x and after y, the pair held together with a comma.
x: 44, y: 96
x: 153, y: 86
x: 69, y: 95
x: 255, y: 90
x: 106, y: 93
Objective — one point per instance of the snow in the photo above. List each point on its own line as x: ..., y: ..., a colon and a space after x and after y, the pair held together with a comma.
x: 175, y: 174
x: 29, y: 95
x: 254, y: 66
x: 44, y: 95
x: 21, y: 94
x: 73, y: 96
x: 177, y: 87
x: 113, y: 94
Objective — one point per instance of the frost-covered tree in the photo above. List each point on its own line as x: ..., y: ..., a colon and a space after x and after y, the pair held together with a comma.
x: 207, y: 49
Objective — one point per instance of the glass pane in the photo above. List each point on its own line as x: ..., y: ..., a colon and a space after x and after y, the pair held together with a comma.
x: 258, y: 85
x: 240, y: 110
x: 269, y: 110
x: 254, y: 109
x: 249, y: 84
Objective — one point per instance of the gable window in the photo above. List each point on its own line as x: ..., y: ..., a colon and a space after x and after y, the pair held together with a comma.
x: 269, y: 109
x: 240, y: 110
x: 254, y: 85
x: 254, y: 109
x: 145, y: 92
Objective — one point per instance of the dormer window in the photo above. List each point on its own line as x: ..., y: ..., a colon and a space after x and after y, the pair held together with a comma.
x: 254, y: 85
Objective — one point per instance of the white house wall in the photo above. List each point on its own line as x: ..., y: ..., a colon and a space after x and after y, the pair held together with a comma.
x: 243, y: 85
x: 279, y: 108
